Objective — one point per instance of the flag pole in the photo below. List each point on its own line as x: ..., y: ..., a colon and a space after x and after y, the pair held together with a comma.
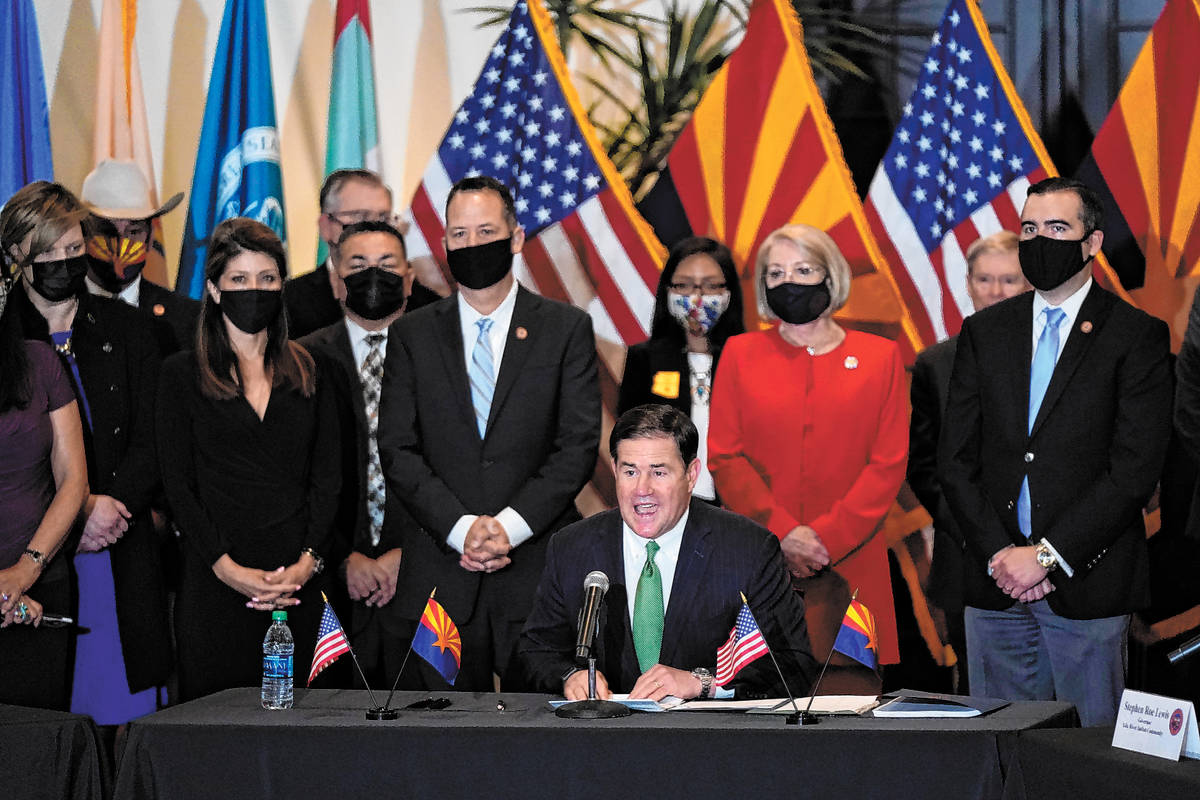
x: 771, y: 653
x: 387, y: 707
x: 353, y: 657
x: 807, y: 718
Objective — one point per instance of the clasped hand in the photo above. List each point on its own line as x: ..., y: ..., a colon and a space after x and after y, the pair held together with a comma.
x: 486, y: 547
x: 804, y: 552
x: 1018, y: 574
x: 266, y: 590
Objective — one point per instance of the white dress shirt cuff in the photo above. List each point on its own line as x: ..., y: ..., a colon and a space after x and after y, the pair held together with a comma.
x: 721, y: 693
x: 458, y: 534
x: 1066, y: 568
x: 515, y: 526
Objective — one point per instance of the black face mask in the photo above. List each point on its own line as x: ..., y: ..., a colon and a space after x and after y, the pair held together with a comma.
x: 251, y: 310
x: 374, y: 293
x: 1048, y: 263
x: 59, y: 280
x: 483, y: 265
x: 798, y: 303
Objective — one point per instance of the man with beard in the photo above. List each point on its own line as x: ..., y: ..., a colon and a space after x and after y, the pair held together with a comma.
x: 1055, y: 432
x: 119, y: 238
x: 489, y: 425
x: 371, y: 284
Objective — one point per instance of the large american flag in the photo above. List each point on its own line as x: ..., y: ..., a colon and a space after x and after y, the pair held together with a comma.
x: 524, y: 125
x: 958, y: 167
x: 331, y: 642
x: 745, y: 644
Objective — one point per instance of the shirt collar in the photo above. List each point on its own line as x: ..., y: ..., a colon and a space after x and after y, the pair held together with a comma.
x: 500, y: 316
x: 668, y: 542
x: 1070, y: 306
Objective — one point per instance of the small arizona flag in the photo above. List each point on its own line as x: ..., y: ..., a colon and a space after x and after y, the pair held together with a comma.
x: 857, y: 636
x: 437, y: 641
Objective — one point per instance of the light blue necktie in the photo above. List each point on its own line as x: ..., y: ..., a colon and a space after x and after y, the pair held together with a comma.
x: 1044, y: 360
x: 482, y: 373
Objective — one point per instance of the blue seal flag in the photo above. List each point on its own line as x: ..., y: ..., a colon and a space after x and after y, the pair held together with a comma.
x: 25, y: 127
x: 237, y: 165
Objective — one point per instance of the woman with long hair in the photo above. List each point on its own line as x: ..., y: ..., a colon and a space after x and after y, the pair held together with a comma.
x: 697, y: 307
x: 248, y: 445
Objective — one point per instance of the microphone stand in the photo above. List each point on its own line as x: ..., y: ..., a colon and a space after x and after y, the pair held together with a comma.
x: 592, y: 708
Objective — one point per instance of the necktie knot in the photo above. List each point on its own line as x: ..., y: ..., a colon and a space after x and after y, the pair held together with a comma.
x: 652, y: 549
x: 484, y: 324
x: 1054, y: 317
x: 375, y: 340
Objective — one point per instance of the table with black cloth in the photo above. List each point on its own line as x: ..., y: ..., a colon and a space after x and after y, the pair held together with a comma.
x: 225, y: 745
x: 50, y: 755
x: 1083, y: 763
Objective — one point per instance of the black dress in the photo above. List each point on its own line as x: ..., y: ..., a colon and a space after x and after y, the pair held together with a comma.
x: 259, y: 490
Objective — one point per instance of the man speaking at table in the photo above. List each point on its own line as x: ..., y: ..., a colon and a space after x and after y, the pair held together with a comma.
x: 677, y: 568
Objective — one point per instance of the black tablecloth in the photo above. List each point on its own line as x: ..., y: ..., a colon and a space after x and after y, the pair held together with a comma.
x: 50, y: 755
x: 1083, y: 763
x: 225, y: 745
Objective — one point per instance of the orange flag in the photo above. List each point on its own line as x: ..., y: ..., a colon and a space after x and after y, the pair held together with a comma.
x: 760, y: 152
x: 121, y: 128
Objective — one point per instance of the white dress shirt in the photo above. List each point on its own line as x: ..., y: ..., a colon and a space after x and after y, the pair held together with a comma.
x: 515, y: 526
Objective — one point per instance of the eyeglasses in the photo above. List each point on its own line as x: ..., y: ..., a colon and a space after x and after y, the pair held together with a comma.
x: 803, y: 271
x: 707, y: 287
x: 355, y: 217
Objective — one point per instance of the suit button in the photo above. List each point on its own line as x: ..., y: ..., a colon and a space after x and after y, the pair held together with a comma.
x: 112, y: 387
x: 116, y: 430
x: 106, y: 347
x: 1028, y: 457
x: 1010, y: 505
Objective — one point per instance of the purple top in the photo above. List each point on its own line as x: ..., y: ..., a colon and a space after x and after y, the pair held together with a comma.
x: 26, y: 478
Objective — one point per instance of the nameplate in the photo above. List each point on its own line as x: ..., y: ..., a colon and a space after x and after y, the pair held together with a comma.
x: 1156, y: 725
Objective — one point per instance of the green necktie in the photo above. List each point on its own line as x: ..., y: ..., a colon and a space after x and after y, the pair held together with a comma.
x: 648, y: 612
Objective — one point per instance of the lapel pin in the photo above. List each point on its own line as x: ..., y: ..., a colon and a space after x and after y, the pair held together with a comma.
x: 159, y: 309
x: 521, y: 332
x: 1086, y: 326
x: 851, y: 362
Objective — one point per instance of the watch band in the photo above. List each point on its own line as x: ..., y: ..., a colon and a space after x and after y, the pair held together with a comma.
x: 37, y: 557
x: 320, y: 562
x: 706, y: 682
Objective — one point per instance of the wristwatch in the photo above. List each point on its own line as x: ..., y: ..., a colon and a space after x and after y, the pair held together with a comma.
x: 1045, y: 556
x: 319, y: 564
x: 706, y: 682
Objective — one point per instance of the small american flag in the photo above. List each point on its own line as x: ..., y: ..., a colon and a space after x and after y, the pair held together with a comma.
x: 331, y: 642
x: 745, y: 644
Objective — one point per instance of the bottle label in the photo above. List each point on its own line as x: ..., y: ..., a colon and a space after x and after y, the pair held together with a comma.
x: 277, y: 667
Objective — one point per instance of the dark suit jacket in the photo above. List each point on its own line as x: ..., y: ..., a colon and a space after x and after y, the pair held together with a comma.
x: 1093, y: 458
x: 1187, y: 406
x: 118, y: 363
x: 331, y: 348
x: 642, y: 362
x: 175, y: 317
x: 539, y: 451
x: 930, y: 386
x: 722, y: 554
x: 311, y: 305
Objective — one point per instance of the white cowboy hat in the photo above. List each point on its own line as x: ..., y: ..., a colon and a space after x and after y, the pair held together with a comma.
x: 117, y: 189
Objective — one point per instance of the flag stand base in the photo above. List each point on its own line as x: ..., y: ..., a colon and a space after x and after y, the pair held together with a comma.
x: 383, y: 713
x: 592, y: 709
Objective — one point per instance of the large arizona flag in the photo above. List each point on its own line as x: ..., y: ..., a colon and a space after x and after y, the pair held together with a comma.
x: 1145, y: 162
x: 121, y: 128
x: 24, y: 114
x: 760, y: 152
x: 352, y: 136
x: 237, y: 165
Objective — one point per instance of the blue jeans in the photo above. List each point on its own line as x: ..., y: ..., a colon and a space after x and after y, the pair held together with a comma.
x: 1027, y: 652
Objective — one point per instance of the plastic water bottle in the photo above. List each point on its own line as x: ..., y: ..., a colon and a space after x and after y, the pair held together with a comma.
x: 277, y: 663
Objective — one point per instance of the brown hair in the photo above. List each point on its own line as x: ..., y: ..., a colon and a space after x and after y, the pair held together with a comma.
x: 288, y: 363
x: 999, y: 242
x: 42, y: 211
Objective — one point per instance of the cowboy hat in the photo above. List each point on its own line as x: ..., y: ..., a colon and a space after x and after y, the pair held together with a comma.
x: 117, y: 189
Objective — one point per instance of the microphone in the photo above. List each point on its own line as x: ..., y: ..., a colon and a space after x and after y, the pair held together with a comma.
x: 594, y: 587
x: 1184, y: 650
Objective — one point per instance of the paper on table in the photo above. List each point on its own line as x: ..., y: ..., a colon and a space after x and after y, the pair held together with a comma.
x: 666, y: 704
x: 822, y: 704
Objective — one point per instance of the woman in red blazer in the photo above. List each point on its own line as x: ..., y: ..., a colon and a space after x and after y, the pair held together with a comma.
x: 809, y: 426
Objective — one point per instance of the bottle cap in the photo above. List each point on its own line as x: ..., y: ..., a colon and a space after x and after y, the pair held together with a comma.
x: 279, y: 616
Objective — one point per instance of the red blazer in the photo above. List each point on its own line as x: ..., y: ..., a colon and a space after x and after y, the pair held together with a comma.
x: 816, y: 440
